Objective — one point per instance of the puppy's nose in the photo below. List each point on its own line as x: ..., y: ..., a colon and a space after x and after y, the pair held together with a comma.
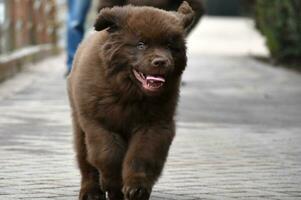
x: 159, y: 62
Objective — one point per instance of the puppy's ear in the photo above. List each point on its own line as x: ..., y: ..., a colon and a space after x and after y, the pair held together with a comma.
x: 186, y: 14
x: 109, y: 18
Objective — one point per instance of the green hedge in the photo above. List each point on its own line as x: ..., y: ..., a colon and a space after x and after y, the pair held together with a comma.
x: 280, y: 22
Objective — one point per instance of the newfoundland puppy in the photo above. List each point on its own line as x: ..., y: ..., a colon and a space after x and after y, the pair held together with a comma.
x: 123, y: 92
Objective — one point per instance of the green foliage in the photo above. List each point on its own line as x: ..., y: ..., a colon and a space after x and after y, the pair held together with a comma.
x: 280, y: 22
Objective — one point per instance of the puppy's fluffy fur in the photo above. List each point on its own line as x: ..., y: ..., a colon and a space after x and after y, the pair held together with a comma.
x: 123, y: 92
x: 170, y: 5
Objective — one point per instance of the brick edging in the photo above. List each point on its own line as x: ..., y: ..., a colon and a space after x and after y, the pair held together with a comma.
x: 12, y: 63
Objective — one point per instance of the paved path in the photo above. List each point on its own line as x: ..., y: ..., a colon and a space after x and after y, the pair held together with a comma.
x: 238, y: 136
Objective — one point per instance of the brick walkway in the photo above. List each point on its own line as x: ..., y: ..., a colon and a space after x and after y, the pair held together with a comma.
x: 238, y: 136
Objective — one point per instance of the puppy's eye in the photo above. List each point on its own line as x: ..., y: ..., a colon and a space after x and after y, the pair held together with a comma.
x: 141, y: 46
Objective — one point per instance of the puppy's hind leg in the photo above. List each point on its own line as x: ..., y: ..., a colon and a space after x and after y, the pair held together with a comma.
x: 90, y: 187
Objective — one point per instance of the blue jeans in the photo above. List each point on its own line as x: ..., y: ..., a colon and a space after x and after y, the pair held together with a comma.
x: 77, y: 13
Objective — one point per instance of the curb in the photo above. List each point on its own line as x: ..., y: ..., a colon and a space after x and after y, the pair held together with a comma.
x: 12, y: 63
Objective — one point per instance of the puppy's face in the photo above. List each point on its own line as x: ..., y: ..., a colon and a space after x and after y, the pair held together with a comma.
x: 145, y: 47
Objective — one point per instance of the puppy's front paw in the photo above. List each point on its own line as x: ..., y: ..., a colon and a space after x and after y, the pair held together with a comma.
x: 92, y: 195
x: 137, y: 188
x: 136, y: 193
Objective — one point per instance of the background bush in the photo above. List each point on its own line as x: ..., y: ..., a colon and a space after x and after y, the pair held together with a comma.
x: 280, y: 22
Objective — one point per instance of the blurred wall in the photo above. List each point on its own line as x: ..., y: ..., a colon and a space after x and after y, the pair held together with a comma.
x: 28, y: 32
x: 27, y: 22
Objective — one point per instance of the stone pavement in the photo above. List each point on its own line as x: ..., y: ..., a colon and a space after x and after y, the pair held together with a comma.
x: 238, y: 130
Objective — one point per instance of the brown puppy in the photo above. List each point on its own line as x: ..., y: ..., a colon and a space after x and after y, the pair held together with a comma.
x: 171, y: 5
x: 123, y: 92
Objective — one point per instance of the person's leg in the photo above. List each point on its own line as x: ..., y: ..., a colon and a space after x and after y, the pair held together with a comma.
x: 78, y: 10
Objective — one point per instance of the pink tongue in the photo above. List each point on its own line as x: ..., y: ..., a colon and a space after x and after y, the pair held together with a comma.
x: 155, y: 79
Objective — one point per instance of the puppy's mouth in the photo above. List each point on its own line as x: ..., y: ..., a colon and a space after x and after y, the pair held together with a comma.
x: 152, y: 83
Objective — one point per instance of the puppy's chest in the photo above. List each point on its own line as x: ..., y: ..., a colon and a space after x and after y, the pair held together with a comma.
x: 123, y: 116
